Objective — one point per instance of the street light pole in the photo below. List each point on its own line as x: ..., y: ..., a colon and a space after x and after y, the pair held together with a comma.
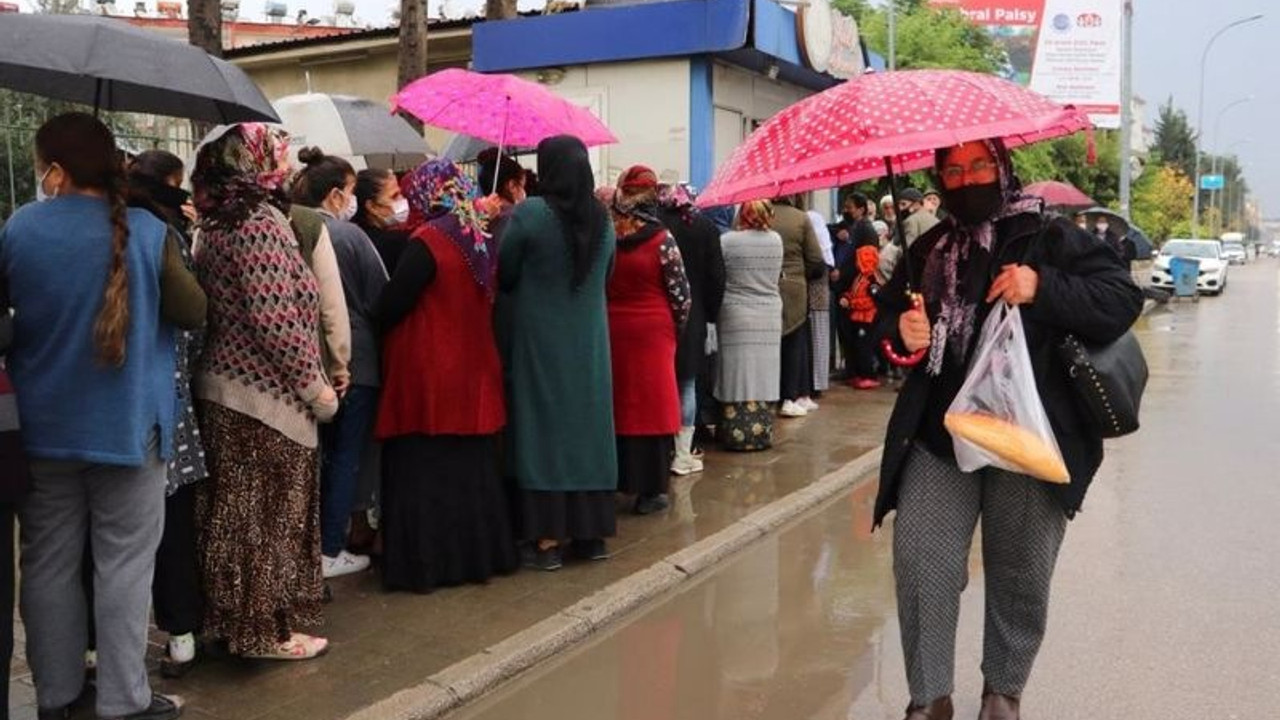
x: 1217, y: 150
x: 1126, y: 112
x: 1204, y: 61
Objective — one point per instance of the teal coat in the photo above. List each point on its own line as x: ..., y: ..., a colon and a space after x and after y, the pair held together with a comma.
x: 555, y: 343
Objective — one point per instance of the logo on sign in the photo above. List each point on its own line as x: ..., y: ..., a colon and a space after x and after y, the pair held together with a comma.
x: 1089, y: 20
x: 1062, y: 22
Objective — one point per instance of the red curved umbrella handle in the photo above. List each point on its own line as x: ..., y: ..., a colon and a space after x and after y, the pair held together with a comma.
x: 914, y: 359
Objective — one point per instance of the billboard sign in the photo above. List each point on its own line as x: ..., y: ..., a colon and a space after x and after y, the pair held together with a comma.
x: 1068, y: 50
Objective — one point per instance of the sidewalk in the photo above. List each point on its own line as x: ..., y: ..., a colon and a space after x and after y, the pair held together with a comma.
x: 386, y: 643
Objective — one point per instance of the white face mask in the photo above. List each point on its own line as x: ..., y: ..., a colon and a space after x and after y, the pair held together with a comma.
x: 1101, y: 227
x: 399, y: 212
x: 41, y: 195
x: 349, y: 210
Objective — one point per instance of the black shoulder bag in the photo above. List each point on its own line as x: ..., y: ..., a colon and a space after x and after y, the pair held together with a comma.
x: 1107, y: 380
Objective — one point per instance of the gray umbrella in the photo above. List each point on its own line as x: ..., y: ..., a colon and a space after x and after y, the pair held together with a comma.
x: 364, y: 132
x: 111, y: 65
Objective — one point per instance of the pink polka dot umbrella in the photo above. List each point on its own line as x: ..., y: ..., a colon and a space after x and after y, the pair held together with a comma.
x: 879, y: 124
x: 883, y: 123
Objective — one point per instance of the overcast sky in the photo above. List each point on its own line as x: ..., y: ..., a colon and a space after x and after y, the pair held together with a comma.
x: 1169, y: 37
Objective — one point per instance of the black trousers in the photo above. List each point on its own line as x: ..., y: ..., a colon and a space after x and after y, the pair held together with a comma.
x: 797, y: 364
x: 6, y: 601
x: 846, y: 335
x: 864, y: 362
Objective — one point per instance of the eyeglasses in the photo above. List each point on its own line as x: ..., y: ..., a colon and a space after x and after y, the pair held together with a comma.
x: 977, y: 167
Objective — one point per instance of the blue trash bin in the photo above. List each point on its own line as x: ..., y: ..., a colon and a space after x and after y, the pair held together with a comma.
x: 1185, y: 272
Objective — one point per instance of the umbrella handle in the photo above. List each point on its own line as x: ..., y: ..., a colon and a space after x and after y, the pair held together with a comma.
x: 915, y: 358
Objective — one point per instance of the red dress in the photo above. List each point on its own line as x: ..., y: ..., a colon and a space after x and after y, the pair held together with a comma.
x: 441, y: 371
x: 642, y: 340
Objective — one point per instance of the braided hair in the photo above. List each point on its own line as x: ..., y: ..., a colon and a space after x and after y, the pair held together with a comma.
x: 85, y: 149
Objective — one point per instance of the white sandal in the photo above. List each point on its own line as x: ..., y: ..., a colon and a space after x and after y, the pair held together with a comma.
x: 297, y: 647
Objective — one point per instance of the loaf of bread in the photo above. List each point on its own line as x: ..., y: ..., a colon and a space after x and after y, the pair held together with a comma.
x: 1016, y: 445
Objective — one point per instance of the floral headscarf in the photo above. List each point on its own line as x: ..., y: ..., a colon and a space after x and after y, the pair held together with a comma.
x: 635, y: 206
x: 956, y: 274
x: 756, y: 215
x: 239, y: 168
x: 448, y: 200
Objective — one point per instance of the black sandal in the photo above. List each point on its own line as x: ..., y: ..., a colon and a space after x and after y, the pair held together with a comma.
x: 163, y: 707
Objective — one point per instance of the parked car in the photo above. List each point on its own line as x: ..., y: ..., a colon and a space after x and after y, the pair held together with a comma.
x: 1234, y: 253
x: 1213, y: 266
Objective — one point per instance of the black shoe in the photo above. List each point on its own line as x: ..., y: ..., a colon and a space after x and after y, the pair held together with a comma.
x: 650, y: 504
x: 162, y: 707
x: 548, y: 560
x: 173, y: 670
x: 59, y: 714
x: 590, y: 549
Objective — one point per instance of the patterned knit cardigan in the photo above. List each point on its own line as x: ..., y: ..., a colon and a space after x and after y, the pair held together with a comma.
x: 262, y: 353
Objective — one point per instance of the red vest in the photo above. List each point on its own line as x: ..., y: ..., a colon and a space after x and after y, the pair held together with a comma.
x: 642, y: 341
x: 441, y: 372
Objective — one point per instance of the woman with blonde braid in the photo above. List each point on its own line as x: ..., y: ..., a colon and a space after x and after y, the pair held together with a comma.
x: 96, y: 291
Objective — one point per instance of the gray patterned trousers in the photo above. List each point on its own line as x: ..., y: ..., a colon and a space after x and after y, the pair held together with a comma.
x: 1022, y: 529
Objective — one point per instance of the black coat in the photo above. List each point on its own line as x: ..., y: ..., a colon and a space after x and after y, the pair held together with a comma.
x: 699, y: 242
x: 1084, y: 288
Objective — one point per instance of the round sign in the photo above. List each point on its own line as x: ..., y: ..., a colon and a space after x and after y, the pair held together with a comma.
x: 817, y: 33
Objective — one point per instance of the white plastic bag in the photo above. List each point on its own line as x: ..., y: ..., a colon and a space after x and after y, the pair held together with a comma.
x: 997, y: 418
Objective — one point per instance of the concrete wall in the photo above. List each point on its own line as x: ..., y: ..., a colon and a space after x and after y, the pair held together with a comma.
x: 644, y: 103
x: 742, y: 101
x: 365, y: 69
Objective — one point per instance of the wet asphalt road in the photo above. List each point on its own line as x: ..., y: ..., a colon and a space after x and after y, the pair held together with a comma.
x: 1166, y: 601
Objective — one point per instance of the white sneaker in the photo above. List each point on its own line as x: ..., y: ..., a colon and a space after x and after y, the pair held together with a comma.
x: 686, y: 466
x: 344, y: 564
x: 792, y: 409
x: 808, y: 404
x: 182, y: 648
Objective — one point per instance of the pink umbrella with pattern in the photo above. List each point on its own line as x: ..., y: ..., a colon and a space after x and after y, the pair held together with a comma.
x: 502, y: 109
x: 880, y: 124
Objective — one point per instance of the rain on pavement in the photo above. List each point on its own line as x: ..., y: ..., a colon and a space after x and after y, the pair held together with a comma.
x: 1165, y: 601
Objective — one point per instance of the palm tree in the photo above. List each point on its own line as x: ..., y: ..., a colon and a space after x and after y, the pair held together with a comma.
x: 499, y: 9
x: 204, y: 25
x: 413, y: 46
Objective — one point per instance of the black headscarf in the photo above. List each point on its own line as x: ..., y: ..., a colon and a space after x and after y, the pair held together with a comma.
x: 566, y: 183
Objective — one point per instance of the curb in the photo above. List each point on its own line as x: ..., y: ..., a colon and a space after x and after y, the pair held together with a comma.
x: 467, y: 680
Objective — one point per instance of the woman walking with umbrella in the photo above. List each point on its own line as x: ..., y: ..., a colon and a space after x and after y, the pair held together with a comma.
x: 995, y: 247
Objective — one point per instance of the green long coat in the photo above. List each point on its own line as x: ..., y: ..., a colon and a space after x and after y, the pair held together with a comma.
x: 555, y: 343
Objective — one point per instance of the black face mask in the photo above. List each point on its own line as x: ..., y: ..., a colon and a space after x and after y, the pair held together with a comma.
x: 973, y: 204
x: 171, y: 197
x: 848, y: 217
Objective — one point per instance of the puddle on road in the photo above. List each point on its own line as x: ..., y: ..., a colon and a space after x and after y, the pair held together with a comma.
x: 802, y: 625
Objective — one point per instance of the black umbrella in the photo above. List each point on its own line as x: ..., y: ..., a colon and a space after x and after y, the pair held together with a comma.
x: 111, y: 65
x: 1142, y: 246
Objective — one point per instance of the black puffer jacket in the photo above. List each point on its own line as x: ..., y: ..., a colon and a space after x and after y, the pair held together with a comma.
x: 1084, y: 288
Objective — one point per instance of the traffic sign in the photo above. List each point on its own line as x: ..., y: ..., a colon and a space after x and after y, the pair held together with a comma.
x: 1212, y: 182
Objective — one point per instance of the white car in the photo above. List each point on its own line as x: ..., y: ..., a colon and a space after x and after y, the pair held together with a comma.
x: 1235, y: 253
x: 1213, y: 266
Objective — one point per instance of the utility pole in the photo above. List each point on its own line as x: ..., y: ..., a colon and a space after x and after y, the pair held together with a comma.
x: 1126, y: 111
x: 893, y: 34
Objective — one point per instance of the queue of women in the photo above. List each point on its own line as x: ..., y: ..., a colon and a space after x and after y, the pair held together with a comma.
x: 200, y: 381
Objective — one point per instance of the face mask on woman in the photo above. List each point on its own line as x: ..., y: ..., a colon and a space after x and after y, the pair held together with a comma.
x: 399, y: 212
x: 41, y: 195
x: 349, y: 210
x: 974, y: 204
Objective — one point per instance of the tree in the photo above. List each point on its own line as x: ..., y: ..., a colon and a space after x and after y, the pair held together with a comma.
x: 927, y: 36
x: 204, y: 25
x: 499, y: 9
x: 1176, y: 139
x: 1162, y: 202
x: 413, y: 46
